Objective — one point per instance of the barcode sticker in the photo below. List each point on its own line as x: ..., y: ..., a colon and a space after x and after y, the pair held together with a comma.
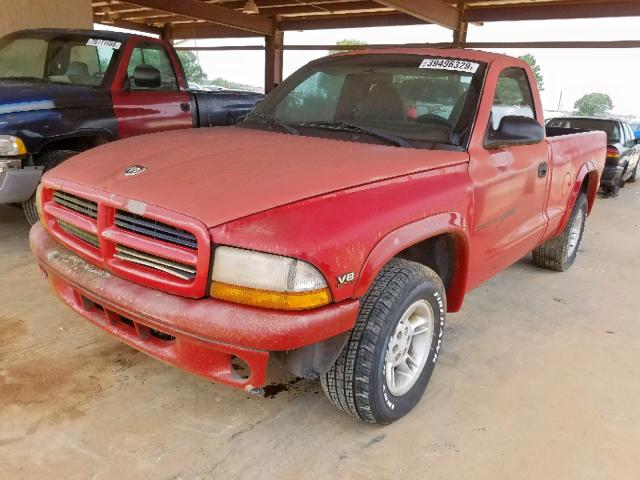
x: 448, y: 64
x: 101, y: 42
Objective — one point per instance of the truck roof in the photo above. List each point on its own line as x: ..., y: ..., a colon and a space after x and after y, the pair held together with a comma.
x: 465, y: 54
x: 107, y: 34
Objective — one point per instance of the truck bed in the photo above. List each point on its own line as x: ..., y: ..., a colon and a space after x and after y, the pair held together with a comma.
x: 568, y: 149
x: 213, y: 109
x: 560, y: 131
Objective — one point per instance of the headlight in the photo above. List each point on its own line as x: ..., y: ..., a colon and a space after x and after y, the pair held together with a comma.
x: 11, y: 146
x: 268, y: 281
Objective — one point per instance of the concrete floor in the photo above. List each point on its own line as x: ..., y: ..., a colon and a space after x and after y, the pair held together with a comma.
x: 539, y: 377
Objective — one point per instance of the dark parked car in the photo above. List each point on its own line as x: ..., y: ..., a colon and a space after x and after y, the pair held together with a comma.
x: 66, y: 91
x: 623, y: 151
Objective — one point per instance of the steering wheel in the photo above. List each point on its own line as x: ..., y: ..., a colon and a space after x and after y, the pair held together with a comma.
x: 431, y: 118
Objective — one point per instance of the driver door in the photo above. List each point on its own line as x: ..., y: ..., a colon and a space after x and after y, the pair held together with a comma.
x: 143, y: 109
x: 510, y: 185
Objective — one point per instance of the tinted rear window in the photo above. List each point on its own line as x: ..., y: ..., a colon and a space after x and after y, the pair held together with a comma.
x: 612, y: 129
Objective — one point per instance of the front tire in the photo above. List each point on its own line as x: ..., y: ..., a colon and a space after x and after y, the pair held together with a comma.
x: 383, y: 371
x: 48, y: 160
x: 560, y: 252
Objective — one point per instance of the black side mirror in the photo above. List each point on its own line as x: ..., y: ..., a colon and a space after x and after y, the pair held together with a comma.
x: 515, y: 130
x: 146, y: 76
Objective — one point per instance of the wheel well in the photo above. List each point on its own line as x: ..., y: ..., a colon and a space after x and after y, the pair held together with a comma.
x: 584, y: 188
x: 78, y: 144
x: 437, y: 253
x: 590, y: 188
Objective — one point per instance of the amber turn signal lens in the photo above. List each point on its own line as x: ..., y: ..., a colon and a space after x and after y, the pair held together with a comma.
x: 39, y: 206
x: 272, y: 300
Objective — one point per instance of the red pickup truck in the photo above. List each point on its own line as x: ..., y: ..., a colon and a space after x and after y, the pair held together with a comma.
x: 333, y: 229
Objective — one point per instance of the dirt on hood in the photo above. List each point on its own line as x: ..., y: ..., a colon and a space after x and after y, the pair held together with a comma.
x: 222, y: 174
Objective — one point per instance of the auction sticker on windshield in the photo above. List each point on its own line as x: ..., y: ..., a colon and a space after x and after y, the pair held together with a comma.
x: 101, y: 42
x: 448, y: 64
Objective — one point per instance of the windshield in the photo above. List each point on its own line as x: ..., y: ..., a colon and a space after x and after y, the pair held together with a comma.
x: 609, y: 127
x: 57, y: 58
x: 407, y: 100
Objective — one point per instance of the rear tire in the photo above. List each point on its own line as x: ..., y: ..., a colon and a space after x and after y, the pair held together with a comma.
x: 560, y: 252
x: 611, y: 191
x: 48, y: 160
x: 384, y: 368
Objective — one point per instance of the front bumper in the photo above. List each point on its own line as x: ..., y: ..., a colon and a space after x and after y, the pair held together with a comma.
x: 611, y: 175
x: 18, y: 184
x: 201, y: 336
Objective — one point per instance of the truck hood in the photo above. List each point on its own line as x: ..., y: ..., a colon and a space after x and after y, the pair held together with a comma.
x: 22, y: 96
x: 222, y: 174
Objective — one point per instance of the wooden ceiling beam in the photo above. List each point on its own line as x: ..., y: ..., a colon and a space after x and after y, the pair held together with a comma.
x: 316, y: 22
x: 208, y: 30
x: 269, y: 4
x: 140, y: 27
x: 433, y: 11
x: 257, y: 24
x: 327, y: 8
x: 553, y: 10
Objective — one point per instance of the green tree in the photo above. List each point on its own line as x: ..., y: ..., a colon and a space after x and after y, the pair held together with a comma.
x: 346, y: 41
x: 191, y: 65
x: 535, y: 68
x: 594, y: 104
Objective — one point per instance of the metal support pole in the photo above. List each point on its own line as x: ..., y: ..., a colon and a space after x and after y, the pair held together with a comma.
x: 166, y: 33
x: 460, y: 33
x: 273, y: 60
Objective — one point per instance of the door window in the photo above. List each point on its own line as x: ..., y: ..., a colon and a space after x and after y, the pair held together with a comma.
x: 153, y: 55
x: 513, y: 96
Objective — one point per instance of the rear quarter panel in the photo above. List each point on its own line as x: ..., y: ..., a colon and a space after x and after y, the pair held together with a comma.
x: 572, y: 158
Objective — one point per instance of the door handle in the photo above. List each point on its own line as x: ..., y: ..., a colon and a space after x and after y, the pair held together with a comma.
x: 543, y: 169
x: 185, y: 107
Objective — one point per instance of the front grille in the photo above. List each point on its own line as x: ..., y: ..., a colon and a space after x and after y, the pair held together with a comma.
x: 180, y: 270
x: 77, y: 204
x: 76, y: 232
x: 156, y: 230
x: 160, y: 249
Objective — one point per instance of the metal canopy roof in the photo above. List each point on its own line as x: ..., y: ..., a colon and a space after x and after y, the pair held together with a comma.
x: 225, y: 18
x: 191, y: 19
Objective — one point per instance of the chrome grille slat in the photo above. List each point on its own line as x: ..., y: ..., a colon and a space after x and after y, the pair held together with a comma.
x: 77, y: 204
x: 131, y: 229
x: 88, y: 237
x: 185, y: 272
x: 156, y: 230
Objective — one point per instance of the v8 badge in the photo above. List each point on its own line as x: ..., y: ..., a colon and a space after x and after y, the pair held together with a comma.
x: 346, y: 279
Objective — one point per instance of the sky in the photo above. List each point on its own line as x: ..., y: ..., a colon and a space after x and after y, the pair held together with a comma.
x: 571, y: 73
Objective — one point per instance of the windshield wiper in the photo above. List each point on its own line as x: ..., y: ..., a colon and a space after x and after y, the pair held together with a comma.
x: 271, y: 120
x: 352, y: 127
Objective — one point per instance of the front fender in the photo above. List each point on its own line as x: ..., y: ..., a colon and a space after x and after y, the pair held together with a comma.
x: 392, y: 244
x: 40, y: 128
